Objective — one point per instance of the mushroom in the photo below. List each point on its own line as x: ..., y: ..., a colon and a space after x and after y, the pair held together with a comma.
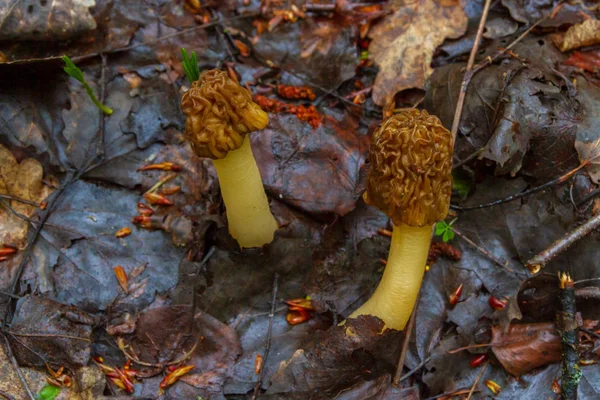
x: 410, y: 180
x: 220, y: 113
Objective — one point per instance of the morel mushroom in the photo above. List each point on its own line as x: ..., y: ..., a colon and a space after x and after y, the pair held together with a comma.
x: 220, y: 113
x: 410, y: 180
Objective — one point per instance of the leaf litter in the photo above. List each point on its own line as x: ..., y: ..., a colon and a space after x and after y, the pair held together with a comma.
x: 528, y: 119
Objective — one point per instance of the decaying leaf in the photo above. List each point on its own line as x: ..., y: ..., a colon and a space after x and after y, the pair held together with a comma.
x: 335, y: 357
x: 587, y: 142
x: 60, y: 332
x: 586, y: 33
x: 22, y: 180
x: 528, y: 346
x: 45, y: 20
x: 404, y: 42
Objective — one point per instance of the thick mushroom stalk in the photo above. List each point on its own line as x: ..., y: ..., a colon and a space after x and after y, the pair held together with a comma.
x: 410, y: 180
x: 220, y: 113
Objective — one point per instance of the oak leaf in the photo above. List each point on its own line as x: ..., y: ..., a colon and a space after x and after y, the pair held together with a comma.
x: 404, y: 42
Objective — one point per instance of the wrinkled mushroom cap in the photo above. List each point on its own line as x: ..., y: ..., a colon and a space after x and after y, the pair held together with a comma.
x: 410, y: 178
x: 219, y: 114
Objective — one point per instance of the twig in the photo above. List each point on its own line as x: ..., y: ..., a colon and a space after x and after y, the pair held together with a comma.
x: 224, y: 35
x: 6, y: 395
x: 13, y: 360
x: 491, y: 60
x: 483, y: 251
x: 269, y: 336
x: 407, y: 333
x: 415, y: 369
x: 101, y: 116
x: 207, y: 257
x: 483, y: 368
x: 590, y: 196
x: 169, y: 36
x: 472, y: 346
x: 13, y: 287
x: 469, y: 71
x: 557, y: 181
x: 20, y: 200
x: 568, y: 328
x: 589, y: 332
x: 14, y: 212
x: 538, y: 261
x: 56, y: 335
x: 452, y: 393
x: 41, y: 357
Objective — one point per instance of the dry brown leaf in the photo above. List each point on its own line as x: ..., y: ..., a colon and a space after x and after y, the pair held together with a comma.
x: 22, y: 180
x: 525, y: 347
x: 586, y: 33
x: 404, y: 42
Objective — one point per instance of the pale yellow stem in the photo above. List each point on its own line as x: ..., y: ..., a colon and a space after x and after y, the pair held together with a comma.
x: 250, y: 220
x: 395, y: 297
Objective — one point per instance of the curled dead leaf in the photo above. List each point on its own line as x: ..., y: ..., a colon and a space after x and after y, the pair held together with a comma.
x: 586, y: 33
x: 24, y: 181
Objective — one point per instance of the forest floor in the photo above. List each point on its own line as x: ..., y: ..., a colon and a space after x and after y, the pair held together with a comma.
x: 106, y: 294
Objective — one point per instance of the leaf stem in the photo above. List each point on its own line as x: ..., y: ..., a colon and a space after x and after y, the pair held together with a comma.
x: 90, y: 92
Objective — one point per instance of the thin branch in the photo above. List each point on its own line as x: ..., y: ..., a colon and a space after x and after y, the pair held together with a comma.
x: 483, y: 251
x: 469, y: 347
x: 491, y: 60
x: 6, y: 395
x: 20, y: 200
x: 561, y: 179
x: 102, y: 115
x: 165, y: 37
x: 469, y: 71
x: 415, y: 369
x: 568, y: 328
x: 407, y: 332
x: 13, y: 287
x: 14, y: 212
x: 450, y: 394
x: 13, y: 360
x: 590, y: 332
x: 483, y: 368
x: 269, y: 337
x: 590, y: 196
x: 49, y: 335
x: 538, y: 261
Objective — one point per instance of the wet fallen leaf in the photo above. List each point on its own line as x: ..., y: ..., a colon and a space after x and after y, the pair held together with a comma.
x: 293, y: 157
x: 525, y: 347
x: 404, y: 42
x: 334, y: 356
x: 509, y: 117
x: 44, y: 20
x: 62, y: 333
x: 586, y: 33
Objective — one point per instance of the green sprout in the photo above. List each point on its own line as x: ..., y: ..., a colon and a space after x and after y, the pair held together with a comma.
x: 445, y: 230
x: 48, y: 392
x: 190, y: 65
x: 73, y: 71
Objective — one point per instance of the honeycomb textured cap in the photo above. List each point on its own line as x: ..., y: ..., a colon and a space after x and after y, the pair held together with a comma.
x: 410, y: 177
x: 220, y: 113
